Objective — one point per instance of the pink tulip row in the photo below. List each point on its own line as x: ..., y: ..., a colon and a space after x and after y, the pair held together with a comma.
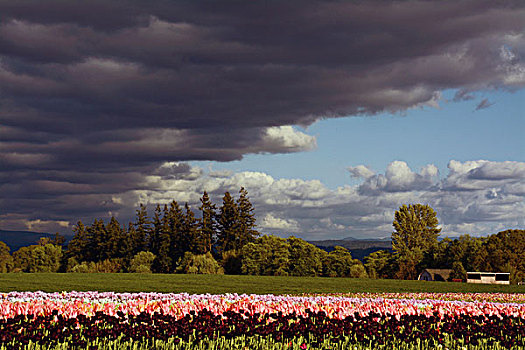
x: 76, y: 303
x: 482, y: 297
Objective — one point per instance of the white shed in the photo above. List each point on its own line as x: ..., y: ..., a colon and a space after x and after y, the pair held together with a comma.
x: 488, y: 277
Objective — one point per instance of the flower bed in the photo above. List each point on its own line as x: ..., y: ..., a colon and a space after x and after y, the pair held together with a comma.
x: 180, y: 321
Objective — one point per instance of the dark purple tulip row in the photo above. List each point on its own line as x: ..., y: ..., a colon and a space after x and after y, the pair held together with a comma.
x: 15, y: 332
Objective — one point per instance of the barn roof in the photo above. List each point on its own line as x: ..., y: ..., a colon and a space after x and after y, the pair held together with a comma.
x: 444, y: 273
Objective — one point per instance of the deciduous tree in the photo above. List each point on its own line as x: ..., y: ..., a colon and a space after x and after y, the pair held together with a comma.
x: 415, y: 235
x: 337, y: 263
x: 381, y: 264
x: 268, y: 255
x: 6, y: 260
x: 305, y: 258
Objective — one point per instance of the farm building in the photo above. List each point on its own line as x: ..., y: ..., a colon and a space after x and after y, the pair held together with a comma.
x: 435, y: 275
x: 488, y: 277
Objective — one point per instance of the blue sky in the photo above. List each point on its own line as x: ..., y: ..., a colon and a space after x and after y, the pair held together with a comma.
x: 420, y: 136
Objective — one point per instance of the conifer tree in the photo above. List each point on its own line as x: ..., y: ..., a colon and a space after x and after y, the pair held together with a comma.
x: 142, y: 230
x: 77, y: 247
x: 228, y: 225
x: 246, y: 225
x: 207, y: 226
x: 156, y: 231
x: 97, y: 241
x: 127, y: 247
x: 163, y: 262
x: 189, y: 230
x: 175, y: 220
x: 115, y: 237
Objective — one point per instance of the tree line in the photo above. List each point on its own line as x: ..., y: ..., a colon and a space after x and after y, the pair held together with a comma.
x: 225, y: 240
x: 416, y: 247
x: 222, y: 240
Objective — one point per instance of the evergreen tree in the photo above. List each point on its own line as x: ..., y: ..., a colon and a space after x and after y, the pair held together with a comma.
x: 115, y: 238
x: 207, y: 226
x: 246, y: 226
x: 77, y: 247
x: 175, y: 221
x: 155, y: 231
x: 97, y: 241
x: 160, y: 241
x: 58, y: 240
x: 128, y: 246
x: 189, y: 230
x: 142, y: 230
x: 228, y: 225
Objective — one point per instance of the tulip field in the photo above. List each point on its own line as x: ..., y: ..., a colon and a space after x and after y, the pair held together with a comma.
x: 108, y: 320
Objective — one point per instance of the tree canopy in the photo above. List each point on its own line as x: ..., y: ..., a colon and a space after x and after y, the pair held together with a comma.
x: 415, y: 235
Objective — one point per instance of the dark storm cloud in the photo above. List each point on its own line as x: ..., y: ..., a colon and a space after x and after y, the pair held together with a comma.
x: 105, y: 90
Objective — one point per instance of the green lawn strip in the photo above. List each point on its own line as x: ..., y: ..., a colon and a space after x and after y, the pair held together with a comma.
x: 217, y: 284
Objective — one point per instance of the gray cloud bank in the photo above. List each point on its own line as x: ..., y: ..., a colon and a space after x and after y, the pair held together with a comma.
x: 96, y: 96
x: 475, y: 197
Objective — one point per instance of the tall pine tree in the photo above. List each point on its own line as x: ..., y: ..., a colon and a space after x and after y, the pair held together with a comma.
x: 115, y: 237
x: 77, y: 247
x: 97, y: 241
x: 160, y: 241
x: 175, y: 220
x: 228, y: 225
x: 207, y: 226
x: 246, y: 226
x: 142, y: 230
x: 155, y: 231
x: 189, y: 230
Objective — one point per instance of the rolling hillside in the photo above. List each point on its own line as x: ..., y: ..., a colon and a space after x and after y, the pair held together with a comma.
x: 358, y: 247
x: 18, y: 239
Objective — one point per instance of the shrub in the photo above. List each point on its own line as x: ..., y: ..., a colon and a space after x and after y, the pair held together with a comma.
x: 109, y: 266
x: 232, y: 262
x: 142, y: 262
x: 358, y: 271
x: 199, y: 264
x: 71, y: 263
x: 105, y: 266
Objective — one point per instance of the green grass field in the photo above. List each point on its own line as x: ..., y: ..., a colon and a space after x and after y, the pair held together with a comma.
x: 216, y: 284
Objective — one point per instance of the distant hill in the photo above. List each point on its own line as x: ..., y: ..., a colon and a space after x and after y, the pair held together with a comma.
x: 358, y: 247
x: 17, y: 239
